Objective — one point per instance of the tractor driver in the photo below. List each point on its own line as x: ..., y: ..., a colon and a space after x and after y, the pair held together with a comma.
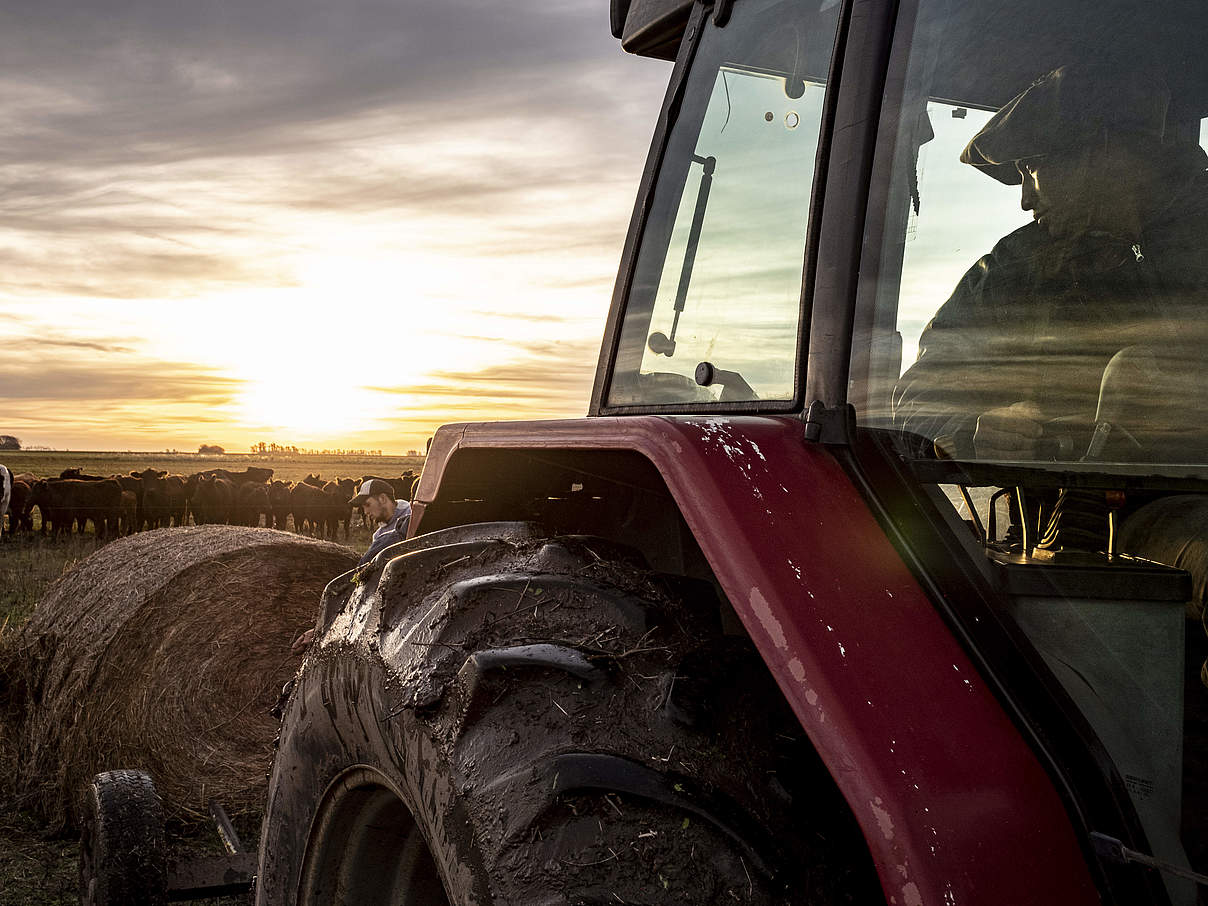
x: 1094, y: 313
x: 1114, y: 262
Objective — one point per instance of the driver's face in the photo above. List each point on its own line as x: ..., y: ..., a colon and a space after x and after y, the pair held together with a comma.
x: 1064, y: 192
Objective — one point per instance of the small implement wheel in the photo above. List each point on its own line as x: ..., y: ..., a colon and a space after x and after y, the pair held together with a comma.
x: 123, y: 852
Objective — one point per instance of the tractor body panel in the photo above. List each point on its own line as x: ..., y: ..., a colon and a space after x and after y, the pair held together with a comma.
x: 954, y: 805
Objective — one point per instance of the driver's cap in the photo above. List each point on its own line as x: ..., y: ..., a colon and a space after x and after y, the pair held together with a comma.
x: 1068, y: 108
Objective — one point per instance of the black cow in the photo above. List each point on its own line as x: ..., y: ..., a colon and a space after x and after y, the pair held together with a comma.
x: 310, y: 507
x: 63, y: 501
x: 213, y: 500
x: 279, y: 503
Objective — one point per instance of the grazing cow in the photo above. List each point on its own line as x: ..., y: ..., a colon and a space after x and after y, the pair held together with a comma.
x: 348, y: 489
x: 51, y: 507
x: 213, y: 500
x: 63, y: 501
x: 6, y: 493
x: 251, y: 500
x: 309, y: 505
x: 153, y: 500
x: 128, y: 513
x: 177, y: 500
x: 253, y: 473
x: 19, y: 516
x: 131, y: 484
x: 339, y: 509
x: 191, y: 484
x: 278, y: 501
x: 163, y: 498
x: 79, y: 474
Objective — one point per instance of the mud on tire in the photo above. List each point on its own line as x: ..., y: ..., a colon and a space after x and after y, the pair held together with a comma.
x: 496, y: 717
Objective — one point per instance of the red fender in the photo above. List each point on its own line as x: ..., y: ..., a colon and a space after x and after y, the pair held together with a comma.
x: 954, y: 804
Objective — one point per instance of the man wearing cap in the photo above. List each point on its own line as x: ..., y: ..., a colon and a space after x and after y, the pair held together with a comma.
x: 1114, y: 262
x: 1097, y: 311
x: 376, y: 497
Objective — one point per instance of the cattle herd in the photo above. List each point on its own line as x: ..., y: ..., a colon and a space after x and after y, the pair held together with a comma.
x: 123, y: 504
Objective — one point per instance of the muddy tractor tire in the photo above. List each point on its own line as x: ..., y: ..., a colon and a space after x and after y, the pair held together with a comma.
x: 501, y: 718
x: 123, y: 850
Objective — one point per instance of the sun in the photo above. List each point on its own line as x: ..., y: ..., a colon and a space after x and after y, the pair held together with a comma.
x: 312, y: 407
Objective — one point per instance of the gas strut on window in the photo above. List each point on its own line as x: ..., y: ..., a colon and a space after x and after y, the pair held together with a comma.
x: 660, y: 343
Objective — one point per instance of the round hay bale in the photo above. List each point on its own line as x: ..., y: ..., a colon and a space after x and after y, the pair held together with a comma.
x: 164, y: 652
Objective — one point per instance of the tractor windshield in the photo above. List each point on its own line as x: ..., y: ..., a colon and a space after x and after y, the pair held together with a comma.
x: 1032, y: 337
x: 713, y: 313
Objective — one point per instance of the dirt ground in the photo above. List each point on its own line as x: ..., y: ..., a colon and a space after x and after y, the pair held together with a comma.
x: 40, y: 871
x: 35, y: 871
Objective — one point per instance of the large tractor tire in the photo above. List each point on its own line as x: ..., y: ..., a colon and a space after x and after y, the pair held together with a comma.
x: 500, y: 718
x: 123, y: 848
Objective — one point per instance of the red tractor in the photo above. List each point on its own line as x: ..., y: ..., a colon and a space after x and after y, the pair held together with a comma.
x: 842, y: 592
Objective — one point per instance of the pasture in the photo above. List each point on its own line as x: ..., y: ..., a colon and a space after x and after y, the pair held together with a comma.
x: 287, y: 467
x: 35, y: 871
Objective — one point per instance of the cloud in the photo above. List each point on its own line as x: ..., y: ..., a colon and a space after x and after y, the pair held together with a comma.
x: 41, y: 346
x: 544, y: 376
x: 69, y: 383
x: 204, y: 204
x: 474, y: 154
x: 154, y: 83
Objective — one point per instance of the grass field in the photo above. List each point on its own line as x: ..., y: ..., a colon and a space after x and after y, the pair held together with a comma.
x: 285, y: 466
x: 34, y: 870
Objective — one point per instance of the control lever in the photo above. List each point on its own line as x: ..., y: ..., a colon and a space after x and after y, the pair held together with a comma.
x: 734, y: 384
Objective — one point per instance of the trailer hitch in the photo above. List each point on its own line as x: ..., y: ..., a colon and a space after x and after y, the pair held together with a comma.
x: 214, y: 876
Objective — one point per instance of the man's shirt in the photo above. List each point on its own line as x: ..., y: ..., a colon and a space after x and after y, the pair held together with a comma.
x: 392, y: 530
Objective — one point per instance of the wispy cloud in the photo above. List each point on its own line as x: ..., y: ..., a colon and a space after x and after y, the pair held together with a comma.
x: 144, y: 381
x: 12, y: 347
x: 544, y: 380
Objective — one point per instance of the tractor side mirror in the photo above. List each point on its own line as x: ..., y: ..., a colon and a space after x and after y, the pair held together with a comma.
x: 617, y: 12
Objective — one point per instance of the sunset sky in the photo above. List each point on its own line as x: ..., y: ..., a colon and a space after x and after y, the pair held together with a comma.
x: 316, y: 223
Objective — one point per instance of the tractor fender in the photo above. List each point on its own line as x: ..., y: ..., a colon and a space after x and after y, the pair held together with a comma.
x: 951, y: 799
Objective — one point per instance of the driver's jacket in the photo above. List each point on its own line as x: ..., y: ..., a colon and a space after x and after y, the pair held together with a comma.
x: 1038, y: 319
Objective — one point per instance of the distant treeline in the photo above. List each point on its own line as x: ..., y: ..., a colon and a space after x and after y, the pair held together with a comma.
x: 263, y: 447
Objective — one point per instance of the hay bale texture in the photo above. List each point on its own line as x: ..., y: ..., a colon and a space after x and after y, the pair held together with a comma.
x: 163, y: 651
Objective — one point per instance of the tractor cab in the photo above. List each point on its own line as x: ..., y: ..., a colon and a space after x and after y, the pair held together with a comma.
x: 970, y: 249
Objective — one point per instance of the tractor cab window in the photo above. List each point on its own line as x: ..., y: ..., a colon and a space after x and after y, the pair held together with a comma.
x: 1031, y: 338
x: 713, y: 313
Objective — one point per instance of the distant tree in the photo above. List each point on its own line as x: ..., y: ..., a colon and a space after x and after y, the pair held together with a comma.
x: 211, y: 449
x: 8, y: 442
